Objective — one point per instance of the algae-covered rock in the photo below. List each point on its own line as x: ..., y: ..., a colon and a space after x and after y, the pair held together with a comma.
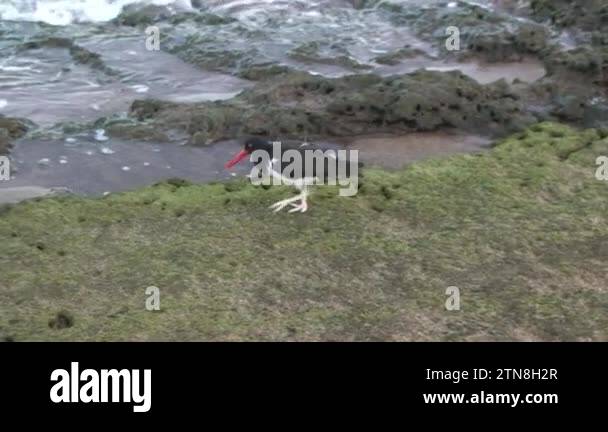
x: 139, y: 132
x: 214, y: 45
x: 483, y: 33
x: 207, y: 19
x: 11, y: 129
x: 589, y: 64
x: 136, y: 15
x: 312, y: 52
x: 588, y: 61
x: 5, y: 142
x: 521, y: 230
x: 80, y: 54
x: 15, y: 128
x: 294, y: 105
x: 395, y: 57
x: 582, y: 14
x: 261, y: 72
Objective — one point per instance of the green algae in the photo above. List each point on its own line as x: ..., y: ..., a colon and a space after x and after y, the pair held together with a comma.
x: 298, y: 104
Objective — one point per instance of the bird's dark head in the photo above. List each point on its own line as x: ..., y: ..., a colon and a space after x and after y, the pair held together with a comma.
x: 251, y: 145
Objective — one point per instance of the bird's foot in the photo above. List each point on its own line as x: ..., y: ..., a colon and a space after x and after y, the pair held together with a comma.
x: 301, y: 207
x: 278, y: 206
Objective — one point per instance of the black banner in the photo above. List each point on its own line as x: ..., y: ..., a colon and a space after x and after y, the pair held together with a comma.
x: 200, y: 379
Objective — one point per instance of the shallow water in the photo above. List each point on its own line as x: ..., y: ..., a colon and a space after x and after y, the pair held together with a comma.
x: 527, y: 70
x: 48, y: 87
x: 398, y: 151
x: 93, y: 168
x: 87, y: 166
x: 45, y: 86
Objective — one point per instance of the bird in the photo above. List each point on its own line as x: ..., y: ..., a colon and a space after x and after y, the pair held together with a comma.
x: 279, y: 162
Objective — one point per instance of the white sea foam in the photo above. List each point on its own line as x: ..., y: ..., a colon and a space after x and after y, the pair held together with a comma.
x: 63, y: 12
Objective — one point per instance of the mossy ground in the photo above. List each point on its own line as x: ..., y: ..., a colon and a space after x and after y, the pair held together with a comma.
x: 522, y: 230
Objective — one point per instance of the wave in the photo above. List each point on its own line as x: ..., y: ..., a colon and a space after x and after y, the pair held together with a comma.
x: 64, y: 12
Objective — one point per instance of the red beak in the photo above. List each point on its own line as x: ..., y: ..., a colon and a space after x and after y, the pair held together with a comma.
x: 235, y: 160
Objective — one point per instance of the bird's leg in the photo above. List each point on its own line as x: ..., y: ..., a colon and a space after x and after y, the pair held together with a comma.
x: 302, y: 207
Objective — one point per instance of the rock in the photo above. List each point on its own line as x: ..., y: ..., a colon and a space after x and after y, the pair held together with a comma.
x: 582, y: 14
x: 135, y: 15
x: 5, y: 142
x: 257, y: 73
x: 207, y: 19
x: 298, y: 104
x: 15, y: 128
x: 395, y: 57
x: 137, y: 132
x: 362, y: 4
x: 61, y: 320
x: 589, y: 64
x: 79, y: 54
x: 312, y: 52
x: 11, y: 129
x: 571, y: 108
x: 200, y: 138
x: 484, y: 34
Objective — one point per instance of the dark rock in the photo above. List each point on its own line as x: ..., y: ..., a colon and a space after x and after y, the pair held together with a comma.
x: 396, y: 57
x: 588, y: 64
x: 11, y: 129
x: 80, y: 54
x: 136, y: 131
x: 295, y: 105
x: 5, y: 142
x: 311, y: 52
x: 15, y: 128
x: 61, y: 321
x: 257, y: 73
x: 483, y: 33
x: 582, y: 14
x: 136, y: 15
